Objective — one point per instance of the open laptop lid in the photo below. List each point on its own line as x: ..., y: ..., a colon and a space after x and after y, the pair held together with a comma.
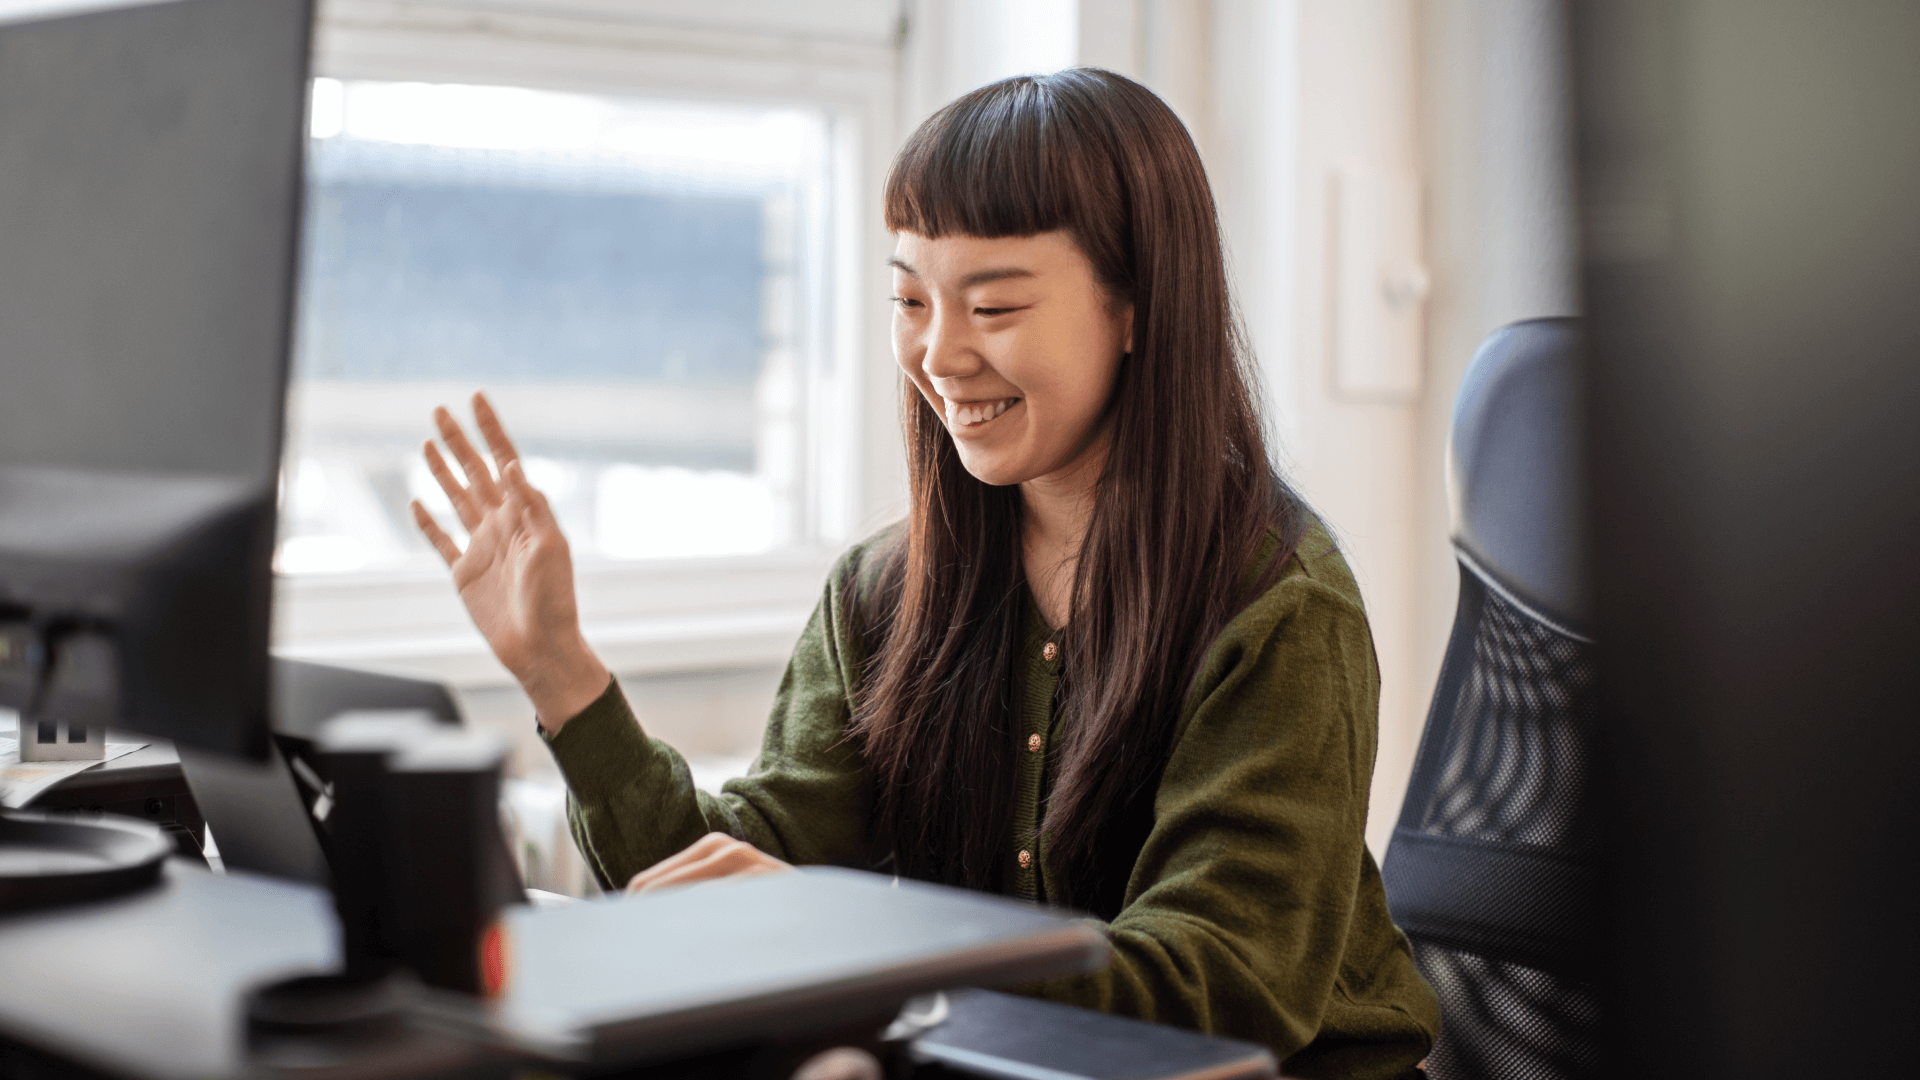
x: 261, y: 816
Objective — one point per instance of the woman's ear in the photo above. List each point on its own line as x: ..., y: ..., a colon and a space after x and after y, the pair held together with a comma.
x: 1126, y: 313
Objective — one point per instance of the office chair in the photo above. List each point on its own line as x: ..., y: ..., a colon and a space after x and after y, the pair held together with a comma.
x: 1492, y: 870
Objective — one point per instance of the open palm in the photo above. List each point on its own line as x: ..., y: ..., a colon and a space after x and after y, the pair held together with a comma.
x: 516, y: 574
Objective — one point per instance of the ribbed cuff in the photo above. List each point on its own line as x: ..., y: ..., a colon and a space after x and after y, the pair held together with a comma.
x: 603, y: 745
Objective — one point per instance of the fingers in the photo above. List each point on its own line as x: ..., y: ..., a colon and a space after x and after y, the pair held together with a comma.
x: 457, y: 492
x: 479, y: 479
x: 535, y: 509
x: 712, y: 856
x: 436, y: 536
x: 493, y: 432
x: 739, y: 861
x: 694, y: 852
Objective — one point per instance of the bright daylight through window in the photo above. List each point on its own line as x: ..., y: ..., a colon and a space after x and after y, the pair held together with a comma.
x: 630, y: 280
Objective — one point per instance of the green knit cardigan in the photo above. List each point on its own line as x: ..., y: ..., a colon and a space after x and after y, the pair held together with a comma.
x: 1252, y: 907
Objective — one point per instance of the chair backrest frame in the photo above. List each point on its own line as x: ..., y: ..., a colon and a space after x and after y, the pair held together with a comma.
x: 1493, y: 870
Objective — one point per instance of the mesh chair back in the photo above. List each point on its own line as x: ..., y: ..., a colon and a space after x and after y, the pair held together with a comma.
x: 1492, y: 871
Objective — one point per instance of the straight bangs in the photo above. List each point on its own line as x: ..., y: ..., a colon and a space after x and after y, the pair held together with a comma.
x: 1014, y: 162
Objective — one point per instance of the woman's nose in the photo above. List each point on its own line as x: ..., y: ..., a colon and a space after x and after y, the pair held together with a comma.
x: 951, y: 351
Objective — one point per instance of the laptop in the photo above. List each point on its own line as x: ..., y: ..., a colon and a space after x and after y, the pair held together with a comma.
x: 263, y: 816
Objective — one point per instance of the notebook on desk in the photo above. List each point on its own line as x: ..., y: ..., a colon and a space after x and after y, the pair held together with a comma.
x: 662, y: 974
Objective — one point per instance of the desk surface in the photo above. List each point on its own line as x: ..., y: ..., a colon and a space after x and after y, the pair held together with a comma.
x: 152, y: 765
x: 153, y: 984
x: 149, y: 984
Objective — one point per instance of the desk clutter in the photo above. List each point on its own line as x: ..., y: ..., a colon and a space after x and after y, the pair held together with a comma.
x: 371, y: 921
x: 207, y: 975
x: 25, y: 776
x: 416, y: 953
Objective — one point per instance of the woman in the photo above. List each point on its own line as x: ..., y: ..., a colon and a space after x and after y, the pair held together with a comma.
x: 1109, y: 660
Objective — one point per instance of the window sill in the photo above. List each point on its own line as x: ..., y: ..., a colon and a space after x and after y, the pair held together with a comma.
x: 643, y: 618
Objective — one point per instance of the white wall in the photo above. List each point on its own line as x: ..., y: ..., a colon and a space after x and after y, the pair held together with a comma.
x: 1307, y: 91
x: 1468, y: 96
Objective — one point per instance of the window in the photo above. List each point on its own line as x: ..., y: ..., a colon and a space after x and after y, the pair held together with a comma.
x: 631, y: 280
x: 650, y: 233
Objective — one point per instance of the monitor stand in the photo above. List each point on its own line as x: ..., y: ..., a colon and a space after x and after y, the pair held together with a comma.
x: 48, y: 859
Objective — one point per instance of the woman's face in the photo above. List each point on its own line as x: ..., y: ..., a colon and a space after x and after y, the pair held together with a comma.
x: 1014, y: 342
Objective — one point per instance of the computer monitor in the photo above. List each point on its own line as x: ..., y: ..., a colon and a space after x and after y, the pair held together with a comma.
x: 150, y: 195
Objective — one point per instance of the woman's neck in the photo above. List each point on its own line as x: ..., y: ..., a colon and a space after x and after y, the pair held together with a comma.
x: 1058, y: 509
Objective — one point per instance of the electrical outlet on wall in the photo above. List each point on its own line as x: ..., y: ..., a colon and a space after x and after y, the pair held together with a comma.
x: 1379, y: 287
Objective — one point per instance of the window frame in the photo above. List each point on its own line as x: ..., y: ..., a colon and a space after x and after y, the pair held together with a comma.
x: 652, y: 616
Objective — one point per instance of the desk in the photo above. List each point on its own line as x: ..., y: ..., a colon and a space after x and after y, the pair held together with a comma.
x: 147, y: 984
x: 146, y: 784
x: 152, y: 984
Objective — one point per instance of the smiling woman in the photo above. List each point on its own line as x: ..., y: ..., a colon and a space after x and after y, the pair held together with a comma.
x: 1016, y: 344
x: 1109, y: 660
x: 987, y: 325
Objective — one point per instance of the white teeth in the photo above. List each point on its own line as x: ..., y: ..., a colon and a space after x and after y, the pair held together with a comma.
x: 977, y: 412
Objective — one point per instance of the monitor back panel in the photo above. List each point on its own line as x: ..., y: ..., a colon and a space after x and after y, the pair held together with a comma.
x: 150, y: 190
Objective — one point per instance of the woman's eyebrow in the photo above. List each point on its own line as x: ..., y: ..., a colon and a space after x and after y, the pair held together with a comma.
x: 981, y: 277
x: 978, y: 277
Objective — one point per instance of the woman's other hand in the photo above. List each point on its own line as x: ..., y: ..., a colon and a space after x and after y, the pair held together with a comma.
x: 516, y: 575
x: 715, y: 855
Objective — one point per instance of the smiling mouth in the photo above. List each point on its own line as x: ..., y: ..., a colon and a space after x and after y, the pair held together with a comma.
x: 973, y: 414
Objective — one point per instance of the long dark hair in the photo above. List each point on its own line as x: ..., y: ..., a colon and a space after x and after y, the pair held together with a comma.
x: 1181, y: 511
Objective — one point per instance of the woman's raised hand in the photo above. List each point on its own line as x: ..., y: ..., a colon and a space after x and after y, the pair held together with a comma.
x: 516, y: 576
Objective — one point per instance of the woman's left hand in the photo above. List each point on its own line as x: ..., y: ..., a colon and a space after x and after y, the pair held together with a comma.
x: 715, y: 855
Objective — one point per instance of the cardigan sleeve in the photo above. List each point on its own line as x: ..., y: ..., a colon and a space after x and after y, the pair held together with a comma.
x: 631, y: 797
x: 1254, y: 908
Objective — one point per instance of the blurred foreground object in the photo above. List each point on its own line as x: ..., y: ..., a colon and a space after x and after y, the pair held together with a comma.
x: 150, y: 187
x: 1751, y: 183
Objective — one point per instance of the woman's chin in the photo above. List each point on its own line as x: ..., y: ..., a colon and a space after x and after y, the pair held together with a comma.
x: 993, y: 469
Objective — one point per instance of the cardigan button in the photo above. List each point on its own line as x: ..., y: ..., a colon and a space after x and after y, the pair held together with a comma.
x: 1033, y: 744
x: 1026, y: 859
x: 1049, y: 651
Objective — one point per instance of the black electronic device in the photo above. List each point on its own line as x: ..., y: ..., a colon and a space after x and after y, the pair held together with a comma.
x: 270, y: 817
x: 375, y: 790
x: 150, y: 193
x: 1007, y: 1037
x: 307, y: 694
x: 421, y: 869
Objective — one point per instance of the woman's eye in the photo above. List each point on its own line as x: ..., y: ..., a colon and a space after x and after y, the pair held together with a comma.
x: 905, y: 301
x: 992, y: 311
